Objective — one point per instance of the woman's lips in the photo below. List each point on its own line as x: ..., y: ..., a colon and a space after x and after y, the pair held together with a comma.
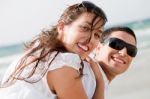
x: 83, y: 47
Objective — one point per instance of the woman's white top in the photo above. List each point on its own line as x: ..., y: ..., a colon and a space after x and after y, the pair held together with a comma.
x: 40, y: 90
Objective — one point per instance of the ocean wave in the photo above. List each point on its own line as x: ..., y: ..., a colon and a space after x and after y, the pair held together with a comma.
x: 8, y: 59
x: 143, y: 36
x: 11, y: 50
x: 142, y: 32
x: 144, y: 45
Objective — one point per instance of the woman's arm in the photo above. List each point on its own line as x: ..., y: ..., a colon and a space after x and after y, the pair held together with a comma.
x: 99, y: 92
x: 66, y: 83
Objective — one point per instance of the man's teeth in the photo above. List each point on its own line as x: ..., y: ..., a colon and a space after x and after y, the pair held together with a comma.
x: 118, y: 60
x: 83, y: 47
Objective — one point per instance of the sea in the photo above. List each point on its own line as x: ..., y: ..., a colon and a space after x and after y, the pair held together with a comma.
x: 135, y: 84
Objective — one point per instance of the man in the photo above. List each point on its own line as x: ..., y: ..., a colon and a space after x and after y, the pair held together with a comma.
x: 115, y: 52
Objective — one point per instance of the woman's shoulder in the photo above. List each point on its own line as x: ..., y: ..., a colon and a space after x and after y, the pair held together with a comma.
x: 66, y: 59
x: 70, y: 57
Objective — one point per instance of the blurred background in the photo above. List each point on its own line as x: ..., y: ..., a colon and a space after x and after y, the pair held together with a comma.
x: 21, y: 20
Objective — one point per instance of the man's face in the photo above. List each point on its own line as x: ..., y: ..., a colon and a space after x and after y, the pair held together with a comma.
x: 116, y: 61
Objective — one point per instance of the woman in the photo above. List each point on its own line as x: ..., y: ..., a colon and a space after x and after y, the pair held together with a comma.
x: 52, y: 66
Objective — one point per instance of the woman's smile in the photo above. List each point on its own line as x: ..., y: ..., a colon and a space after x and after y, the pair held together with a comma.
x: 83, y: 47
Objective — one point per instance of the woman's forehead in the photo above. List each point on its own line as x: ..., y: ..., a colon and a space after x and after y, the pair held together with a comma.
x: 93, y: 20
x: 89, y: 17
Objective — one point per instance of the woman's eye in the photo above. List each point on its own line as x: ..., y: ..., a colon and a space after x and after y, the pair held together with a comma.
x: 97, y: 35
x: 85, y: 28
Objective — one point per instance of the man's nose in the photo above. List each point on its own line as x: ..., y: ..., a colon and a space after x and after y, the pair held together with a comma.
x: 123, y: 51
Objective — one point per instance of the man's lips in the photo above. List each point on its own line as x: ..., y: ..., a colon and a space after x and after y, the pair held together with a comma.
x: 118, y: 60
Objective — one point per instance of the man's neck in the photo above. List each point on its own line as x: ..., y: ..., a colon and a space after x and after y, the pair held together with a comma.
x: 110, y: 76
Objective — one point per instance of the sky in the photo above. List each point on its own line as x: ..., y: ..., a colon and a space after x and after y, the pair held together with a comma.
x: 21, y: 20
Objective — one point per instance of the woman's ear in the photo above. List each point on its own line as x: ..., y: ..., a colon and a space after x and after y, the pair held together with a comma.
x: 60, y: 27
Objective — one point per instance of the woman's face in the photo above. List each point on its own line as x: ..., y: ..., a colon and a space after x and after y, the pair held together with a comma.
x: 79, y: 36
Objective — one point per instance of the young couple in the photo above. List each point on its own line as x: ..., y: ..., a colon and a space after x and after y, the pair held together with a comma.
x: 56, y: 64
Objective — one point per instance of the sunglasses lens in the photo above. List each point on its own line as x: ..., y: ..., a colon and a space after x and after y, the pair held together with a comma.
x: 115, y: 44
x: 132, y: 51
x: 118, y: 44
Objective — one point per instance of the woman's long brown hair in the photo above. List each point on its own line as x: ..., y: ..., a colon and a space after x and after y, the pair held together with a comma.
x: 40, y: 49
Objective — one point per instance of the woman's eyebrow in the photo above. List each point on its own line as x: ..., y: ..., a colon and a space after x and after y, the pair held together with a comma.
x: 89, y: 23
x: 98, y: 29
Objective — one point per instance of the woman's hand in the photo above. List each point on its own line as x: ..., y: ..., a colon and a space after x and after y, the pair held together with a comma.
x: 99, y: 92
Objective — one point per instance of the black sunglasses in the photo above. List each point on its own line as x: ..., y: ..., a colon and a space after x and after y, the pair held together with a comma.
x: 91, y: 6
x: 119, y: 44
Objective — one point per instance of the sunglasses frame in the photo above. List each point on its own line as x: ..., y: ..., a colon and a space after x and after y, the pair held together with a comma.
x: 90, y: 6
x: 119, y: 44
